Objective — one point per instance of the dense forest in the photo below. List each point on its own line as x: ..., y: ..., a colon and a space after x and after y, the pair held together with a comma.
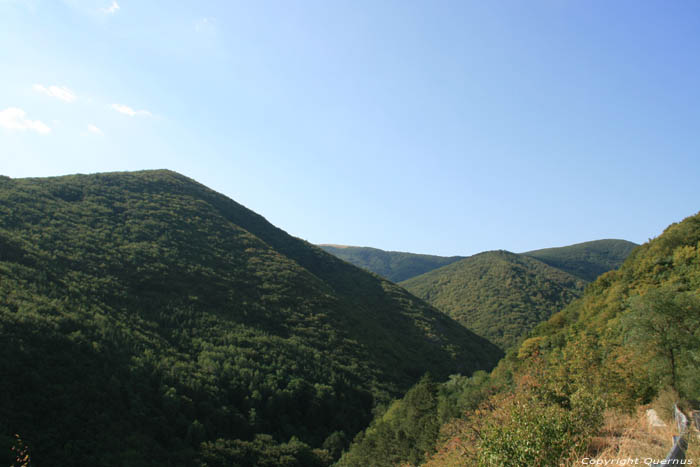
x: 633, y: 337
x: 396, y: 266
x: 497, y: 294
x: 147, y: 320
x: 586, y: 260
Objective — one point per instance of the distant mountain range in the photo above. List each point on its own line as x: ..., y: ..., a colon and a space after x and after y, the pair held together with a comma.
x: 586, y: 260
x: 498, y: 294
x: 396, y: 266
x: 148, y: 320
x: 630, y: 342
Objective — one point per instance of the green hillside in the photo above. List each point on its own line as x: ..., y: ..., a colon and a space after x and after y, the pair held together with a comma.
x: 147, y: 320
x: 586, y: 260
x: 646, y: 313
x: 632, y: 338
x: 396, y: 266
x: 497, y: 294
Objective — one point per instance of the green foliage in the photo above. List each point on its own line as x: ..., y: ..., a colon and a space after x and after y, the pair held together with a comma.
x: 396, y: 266
x: 147, y: 320
x: 641, y: 322
x: 409, y: 428
x: 635, y: 331
x: 405, y: 433
x: 586, y: 260
x: 460, y: 394
x: 497, y: 294
x: 530, y: 431
x: 535, y: 421
x: 668, y: 322
x: 262, y: 451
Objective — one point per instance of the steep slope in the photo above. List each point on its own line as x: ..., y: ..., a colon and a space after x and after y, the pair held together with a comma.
x: 654, y: 299
x: 586, y: 260
x: 497, y: 294
x: 633, y: 337
x: 147, y: 320
x: 396, y: 266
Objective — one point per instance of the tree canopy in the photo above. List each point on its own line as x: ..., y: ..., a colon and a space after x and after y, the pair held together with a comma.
x: 147, y: 320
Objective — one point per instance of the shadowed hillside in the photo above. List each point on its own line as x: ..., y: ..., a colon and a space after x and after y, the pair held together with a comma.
x: 396, y: 266
x: 147, y: 320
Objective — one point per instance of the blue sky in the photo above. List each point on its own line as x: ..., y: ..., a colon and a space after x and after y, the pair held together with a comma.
x: 433, y: 127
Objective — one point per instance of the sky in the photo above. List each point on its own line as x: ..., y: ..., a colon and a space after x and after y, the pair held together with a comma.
x: 426, y: 126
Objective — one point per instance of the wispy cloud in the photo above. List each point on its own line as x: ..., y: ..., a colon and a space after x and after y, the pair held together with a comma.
x: 126, y: 110
x: 14, y: 118
x: 205, y: 24
x: 59, y: 92
x: 93, y: 129
x: 112, y: 8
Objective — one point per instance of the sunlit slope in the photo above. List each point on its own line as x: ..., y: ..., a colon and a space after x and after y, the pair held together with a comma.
x: 586, y: 260
x: 652, y: 279
x: 632, y: 338
x: 497, y: 294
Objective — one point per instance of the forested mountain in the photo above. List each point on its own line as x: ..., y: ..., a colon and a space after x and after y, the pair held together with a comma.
x: 147, y: 320
x: 396, y: 266
x: 586, y: 260
x: 497, y: 294
x: 632, y: 337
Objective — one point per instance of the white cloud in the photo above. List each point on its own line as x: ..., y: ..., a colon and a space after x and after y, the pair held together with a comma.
x: 13, y: 118
x: 205, y: 24
x: 112, y: 8
x: 58, y: 92
x: 126, y: 110
x: 93, y: 129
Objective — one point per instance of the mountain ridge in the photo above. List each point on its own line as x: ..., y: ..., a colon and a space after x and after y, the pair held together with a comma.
x: 393, y: 265
x: 497, y: 294
x: 587, y: 260
x: 192, y: 329
x: 629, y: 341
x: 505, y: 306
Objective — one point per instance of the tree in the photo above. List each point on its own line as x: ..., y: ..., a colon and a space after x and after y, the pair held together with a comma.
x: 666, y: 324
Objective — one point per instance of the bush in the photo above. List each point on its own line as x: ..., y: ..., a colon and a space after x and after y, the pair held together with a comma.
x: 528, y: 431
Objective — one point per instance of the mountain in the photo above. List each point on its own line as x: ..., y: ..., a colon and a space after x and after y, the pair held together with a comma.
x: 497, y: 294
x: 630, y: 340
x: 586, y: 260
x: 396, y: 266
x: 646, y: 314
x: 564, y: 393
x: 502, y: 295
x: 148, y: 320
